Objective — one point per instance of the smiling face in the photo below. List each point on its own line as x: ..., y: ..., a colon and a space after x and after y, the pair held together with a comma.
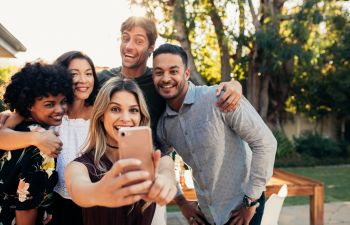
x: 83, y: 79
x: 170, y: 76
x: 122, y: 111
x: 135, y: 48
x: 49, y: 110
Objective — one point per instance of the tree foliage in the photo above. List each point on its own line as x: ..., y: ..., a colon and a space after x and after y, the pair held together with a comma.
x: 5, y: 73
x: 289, y: 55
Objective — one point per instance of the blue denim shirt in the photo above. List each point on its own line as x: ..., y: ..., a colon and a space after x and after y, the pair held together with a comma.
x: 213, y: 144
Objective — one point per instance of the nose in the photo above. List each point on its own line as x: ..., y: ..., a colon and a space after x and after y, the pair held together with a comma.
x: 129, y: 45
x: 125, y: 116
x: 61, y: 108
x: 166, y: 77
x: 81, y: 78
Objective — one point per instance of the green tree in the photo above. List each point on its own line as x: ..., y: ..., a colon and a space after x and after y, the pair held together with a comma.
x: 5, y: 74
x: 276, y: 48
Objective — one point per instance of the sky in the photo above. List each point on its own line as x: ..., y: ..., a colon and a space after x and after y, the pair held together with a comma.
x: 48, y: 28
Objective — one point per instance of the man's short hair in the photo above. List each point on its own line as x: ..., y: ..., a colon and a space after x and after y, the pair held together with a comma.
x: 145, y: 23
x: 172, y: 49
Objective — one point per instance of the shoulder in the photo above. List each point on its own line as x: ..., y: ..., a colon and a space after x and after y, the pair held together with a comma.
x: 105, y: 75
x: 205, y: 94
x: 30, y: 126
x: 110, y: 72
x: 161, y: 131
x: 86, y: 159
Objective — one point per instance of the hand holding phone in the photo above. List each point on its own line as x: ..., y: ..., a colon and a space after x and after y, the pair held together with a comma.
x: 136, y: 142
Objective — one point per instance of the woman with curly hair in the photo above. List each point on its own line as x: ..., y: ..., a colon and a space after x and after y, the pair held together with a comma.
x: 71, y: 133
x: 39, y: 93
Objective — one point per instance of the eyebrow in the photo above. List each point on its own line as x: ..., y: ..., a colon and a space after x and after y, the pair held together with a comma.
x: 78, y: 70
x: 138, y: 35
x: 172, y: 67
x: 116, y: 103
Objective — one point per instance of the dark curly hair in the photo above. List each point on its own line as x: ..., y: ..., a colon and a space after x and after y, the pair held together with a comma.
x: 37, y: 80
x: 65, y: 59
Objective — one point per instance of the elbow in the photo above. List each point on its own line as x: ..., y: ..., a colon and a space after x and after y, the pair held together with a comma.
x: 274, y: 144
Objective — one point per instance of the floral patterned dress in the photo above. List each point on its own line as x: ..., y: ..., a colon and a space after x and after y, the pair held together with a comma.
x: 27, y: 179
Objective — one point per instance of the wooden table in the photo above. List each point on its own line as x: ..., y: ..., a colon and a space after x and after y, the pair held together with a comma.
x: 297, y: 186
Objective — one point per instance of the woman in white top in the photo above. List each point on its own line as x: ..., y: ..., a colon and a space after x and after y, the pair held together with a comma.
x: 72, y: 132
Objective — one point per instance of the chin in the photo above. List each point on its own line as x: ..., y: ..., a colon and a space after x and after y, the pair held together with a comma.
x: 55, y: 123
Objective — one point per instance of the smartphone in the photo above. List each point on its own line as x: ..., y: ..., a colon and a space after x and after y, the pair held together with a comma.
x: 136, y: 142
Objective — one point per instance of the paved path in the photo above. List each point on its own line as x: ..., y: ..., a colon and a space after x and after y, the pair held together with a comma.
x: 337, y: 213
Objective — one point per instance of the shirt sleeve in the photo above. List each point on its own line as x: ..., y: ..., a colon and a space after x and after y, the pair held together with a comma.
x: 248, y: 124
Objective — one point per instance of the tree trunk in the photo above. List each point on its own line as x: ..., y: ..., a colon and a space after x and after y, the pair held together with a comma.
x: 253, y: 86
x: 239, y: 50
x: 264, y: 96
x: 181, y: 35
x: 222, y: 41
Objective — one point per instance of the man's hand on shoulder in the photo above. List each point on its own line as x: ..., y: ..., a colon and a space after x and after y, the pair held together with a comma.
x: 229, y: 100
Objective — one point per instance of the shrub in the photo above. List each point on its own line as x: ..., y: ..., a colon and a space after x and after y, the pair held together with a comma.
x: 316, y: 145
x: 2, y: 105
x: 284, y: 145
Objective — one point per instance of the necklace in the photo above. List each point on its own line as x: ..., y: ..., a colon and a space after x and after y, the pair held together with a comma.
x: 111, y: 146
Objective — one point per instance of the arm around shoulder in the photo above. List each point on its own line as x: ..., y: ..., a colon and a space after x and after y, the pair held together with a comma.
x: 46, y: 141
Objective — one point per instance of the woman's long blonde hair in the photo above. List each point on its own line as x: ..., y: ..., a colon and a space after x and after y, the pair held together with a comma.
x: 97, y: 138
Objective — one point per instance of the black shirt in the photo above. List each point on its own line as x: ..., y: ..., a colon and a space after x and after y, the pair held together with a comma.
x: 26, y: 179
x: 125, y: 215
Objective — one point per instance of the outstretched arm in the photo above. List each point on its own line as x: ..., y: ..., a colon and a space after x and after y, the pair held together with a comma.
x: 111, y: 190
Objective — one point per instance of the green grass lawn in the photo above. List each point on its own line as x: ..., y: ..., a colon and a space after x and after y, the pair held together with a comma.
x: 336, y: 181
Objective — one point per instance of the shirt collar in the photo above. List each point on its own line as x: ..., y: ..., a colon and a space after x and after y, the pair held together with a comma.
x: 189, y: 99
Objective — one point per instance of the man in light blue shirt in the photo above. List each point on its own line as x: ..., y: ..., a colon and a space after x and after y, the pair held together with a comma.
x: 229, y: 178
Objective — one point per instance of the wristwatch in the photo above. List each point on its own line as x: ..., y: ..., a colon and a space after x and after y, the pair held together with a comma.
x: 247, y: 202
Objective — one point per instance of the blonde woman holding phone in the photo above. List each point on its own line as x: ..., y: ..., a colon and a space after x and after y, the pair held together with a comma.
x: 94, y: 179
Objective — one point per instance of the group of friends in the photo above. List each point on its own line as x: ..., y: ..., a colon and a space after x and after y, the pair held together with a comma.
x: 59, y: 157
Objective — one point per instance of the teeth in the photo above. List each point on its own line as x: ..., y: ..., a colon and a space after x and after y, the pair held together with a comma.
x: 82, y: 89
x: 118, y: 127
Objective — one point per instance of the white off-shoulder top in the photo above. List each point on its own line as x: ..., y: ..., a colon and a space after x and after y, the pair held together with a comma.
x: 73, y: 133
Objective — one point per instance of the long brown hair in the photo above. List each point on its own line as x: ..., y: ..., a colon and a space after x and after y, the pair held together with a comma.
x: 96, y: 141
